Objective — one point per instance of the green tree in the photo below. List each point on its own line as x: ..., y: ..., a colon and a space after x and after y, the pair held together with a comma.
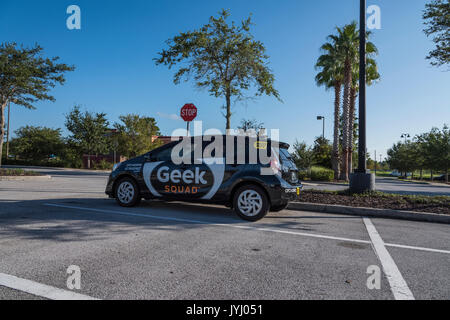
x: 223, y: 58
x: 437, y: 20
x: 436, y: 147
x: 37, y: 143
x: 322, y: 151
x: 88, y: 131
x: 135, y: 135
x: 25, y: 78
x: 303, y: 155
x: 402, y: 157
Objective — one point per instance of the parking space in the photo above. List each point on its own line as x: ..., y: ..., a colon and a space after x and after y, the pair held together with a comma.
x: 188, y: 251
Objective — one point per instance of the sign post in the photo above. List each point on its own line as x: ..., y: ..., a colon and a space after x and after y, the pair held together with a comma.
x: 188, y: 113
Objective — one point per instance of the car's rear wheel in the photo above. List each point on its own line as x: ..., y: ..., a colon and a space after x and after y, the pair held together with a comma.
x: 250, y: 203
x: 127, y: 193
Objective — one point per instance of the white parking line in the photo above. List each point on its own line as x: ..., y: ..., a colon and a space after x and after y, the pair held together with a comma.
x: 243, y: 227
x: 398, y: 285
x: 39, y: 289
x: 416, y: 248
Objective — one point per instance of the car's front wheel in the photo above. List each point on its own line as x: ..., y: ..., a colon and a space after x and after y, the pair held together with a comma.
x: 127, y: 193
x: 279, y: 208
x: 251, y: 203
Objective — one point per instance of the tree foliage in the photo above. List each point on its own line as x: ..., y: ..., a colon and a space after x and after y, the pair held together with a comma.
x: 437, y: 21
x: 223, y: 58
x: 135, y: 135
x: 37, y: 143
x: 429, y: 150
x: 322, y: 151
x: 303, y: 155
x: 88, y: 131
x: 26, y: 77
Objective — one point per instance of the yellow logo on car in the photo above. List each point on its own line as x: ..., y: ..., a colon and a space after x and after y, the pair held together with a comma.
x: 260, y: 145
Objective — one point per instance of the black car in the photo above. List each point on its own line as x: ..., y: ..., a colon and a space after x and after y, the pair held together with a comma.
x: 248, y: 174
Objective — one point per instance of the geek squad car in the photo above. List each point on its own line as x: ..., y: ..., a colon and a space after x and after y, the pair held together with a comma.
x: 250, y: 175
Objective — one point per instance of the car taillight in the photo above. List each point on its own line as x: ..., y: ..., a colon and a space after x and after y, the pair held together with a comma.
x: 275, y: 165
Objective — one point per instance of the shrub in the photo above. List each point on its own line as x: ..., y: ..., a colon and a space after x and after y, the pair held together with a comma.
x: 304, y: 174
x: 102, y: 165
x: 321, y: 174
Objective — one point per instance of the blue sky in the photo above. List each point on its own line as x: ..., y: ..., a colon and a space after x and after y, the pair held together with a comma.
x: 115, y: 72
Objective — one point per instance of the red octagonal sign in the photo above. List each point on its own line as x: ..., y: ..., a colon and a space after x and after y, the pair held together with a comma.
x: 188, y: 112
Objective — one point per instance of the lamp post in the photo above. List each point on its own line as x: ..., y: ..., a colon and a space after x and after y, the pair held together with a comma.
x: 405, y: 136
x: 362, y: 180
x: 7, y: 132
x: 375, y: 162
x: 323, y: 125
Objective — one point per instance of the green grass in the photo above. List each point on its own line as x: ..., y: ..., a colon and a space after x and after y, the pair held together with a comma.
x: 18, y: 172
x: 383, y: 173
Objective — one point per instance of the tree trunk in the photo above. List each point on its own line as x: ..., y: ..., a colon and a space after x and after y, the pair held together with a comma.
x: 228, y: 115
x: 335, y: 156
x: 351, y: 124
x: 2, y: 129
x: 345, y: 117
x: 431, y: 173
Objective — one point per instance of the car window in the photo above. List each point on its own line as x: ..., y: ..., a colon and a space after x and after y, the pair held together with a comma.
x: 164, y: 155
x: 284, y: 155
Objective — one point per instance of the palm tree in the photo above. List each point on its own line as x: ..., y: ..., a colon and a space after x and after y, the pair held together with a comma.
x: 347, y: 48
x: 331, y: 76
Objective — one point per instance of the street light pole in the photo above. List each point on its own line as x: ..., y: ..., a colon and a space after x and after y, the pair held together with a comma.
x: 362, y: 180
x: 362, y: 165
x: 405, y: 135
x: 323, y: 125
x: 7, y: 132
x: 375, y: 162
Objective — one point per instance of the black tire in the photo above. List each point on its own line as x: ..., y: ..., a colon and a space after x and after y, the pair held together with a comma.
x: 130, y: 187
x: 279, y: 208
x: 255, y: 194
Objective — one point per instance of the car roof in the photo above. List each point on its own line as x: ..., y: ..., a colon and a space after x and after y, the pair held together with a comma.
x: 282, y: 145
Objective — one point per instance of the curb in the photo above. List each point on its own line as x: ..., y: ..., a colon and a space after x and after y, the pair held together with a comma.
x: 24, y: 178
x: 371, y: 212
x: 54, y: 168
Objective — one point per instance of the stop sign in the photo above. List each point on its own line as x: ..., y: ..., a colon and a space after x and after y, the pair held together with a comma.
x: 188, y: 112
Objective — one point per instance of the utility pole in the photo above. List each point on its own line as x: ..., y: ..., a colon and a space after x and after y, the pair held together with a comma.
x: 375, y: 162
x: 362, y: 180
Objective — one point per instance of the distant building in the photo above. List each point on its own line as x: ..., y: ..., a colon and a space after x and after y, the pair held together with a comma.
x: 102, y: 157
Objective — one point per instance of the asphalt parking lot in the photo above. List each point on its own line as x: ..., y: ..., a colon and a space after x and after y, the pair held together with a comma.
x: 189, y: 251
